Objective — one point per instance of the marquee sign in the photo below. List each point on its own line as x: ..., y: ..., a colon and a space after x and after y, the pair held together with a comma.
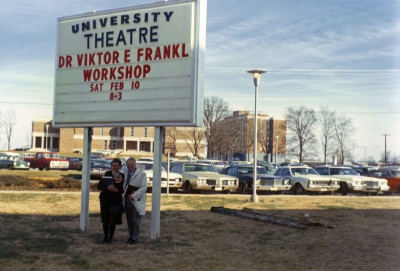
x: 137, y: 66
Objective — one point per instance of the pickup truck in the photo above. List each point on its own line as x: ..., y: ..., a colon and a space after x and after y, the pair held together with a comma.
x: 47, y: 161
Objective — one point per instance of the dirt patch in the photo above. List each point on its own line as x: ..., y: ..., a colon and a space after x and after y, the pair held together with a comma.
x: 18, y: 182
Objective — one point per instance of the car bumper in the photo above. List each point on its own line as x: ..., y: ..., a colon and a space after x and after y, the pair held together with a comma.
x: 274, y: 188
x: 59, y: 168
x: 316, y: 188
x: 172, y: 184
x: 376, y: 188
x: 356, y: 188
x: 216, y: 187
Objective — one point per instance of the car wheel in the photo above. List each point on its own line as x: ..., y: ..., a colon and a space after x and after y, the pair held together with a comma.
x: 10, y: 167
x: 188, y: 187
x: 226, y: 191
x: 243, y: 187
x: 46, y: 167
x: 343, y: 188
x: 298, y: 189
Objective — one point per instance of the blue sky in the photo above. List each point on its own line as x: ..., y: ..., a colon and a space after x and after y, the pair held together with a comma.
x: 340, y: 54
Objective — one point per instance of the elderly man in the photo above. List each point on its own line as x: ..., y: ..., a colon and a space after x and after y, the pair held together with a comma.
x: 135, y: 187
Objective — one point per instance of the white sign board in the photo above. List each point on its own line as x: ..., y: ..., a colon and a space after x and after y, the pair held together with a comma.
x: 138, y: 66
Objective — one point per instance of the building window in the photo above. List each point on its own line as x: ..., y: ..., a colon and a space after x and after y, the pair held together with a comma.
x: 145, y: 131
x: 119, y: 131
x: 132, y: 132
x: 101, y: 131
x: 142, y: 146
x: 114, y: 145
x: 105, y: 144
x: 74, y: 131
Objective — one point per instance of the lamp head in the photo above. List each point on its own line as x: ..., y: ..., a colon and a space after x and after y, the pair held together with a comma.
x: 256, y: 75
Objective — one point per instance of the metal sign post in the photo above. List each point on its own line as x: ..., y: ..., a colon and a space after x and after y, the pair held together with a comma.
x: 87, y: 146
x: 156, y: 189
x: 168, y: 175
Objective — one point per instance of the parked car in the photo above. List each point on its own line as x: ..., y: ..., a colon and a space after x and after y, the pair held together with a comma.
x: 364, y: 170
x: 305, y: 179
x: 47, y: 161
x: 268, y: 166
x: 197, y: 176
x: 175, y: 180
x: 264, y: 181
x: 98, y: 167
x: 350, y: 180
x: 13, y: 162
x: 75, y: 163
x: 391, y: 174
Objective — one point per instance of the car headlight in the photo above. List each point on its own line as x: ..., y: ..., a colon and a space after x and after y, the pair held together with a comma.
x: 149, y: 179
x: 178, y: 180
x: 258, y: 181
x: 202, y: 181
x: 286, y: 181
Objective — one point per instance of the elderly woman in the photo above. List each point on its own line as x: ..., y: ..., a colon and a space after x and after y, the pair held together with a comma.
x: 111, y: 186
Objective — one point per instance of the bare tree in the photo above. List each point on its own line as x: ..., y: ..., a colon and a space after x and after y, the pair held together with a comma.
x: 326, y: 121
x: 343, y: 130
x: 215, y: 110
x: 170, y: 142
x: 194, y: 140
x: 232, y: 130
x: 301, y: 127
x: 9, y: 123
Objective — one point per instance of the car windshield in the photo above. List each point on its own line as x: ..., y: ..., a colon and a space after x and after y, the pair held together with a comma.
x: 395, y: 173
x: 197, y: 167
x: 303, y: 171
x: 218, y: 164
x: 343, y: 171
x: 249, y: 170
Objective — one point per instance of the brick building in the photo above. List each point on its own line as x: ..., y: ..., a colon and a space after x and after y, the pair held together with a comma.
x: 116, y: 140
x: 271, y: 136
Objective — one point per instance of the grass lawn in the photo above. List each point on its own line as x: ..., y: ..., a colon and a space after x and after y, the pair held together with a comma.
x: 40, y: 231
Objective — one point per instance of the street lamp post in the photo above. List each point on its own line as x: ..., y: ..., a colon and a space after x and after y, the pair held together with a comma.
x: 47, y: 134
x: 276, y: 149
x: 256, y: 79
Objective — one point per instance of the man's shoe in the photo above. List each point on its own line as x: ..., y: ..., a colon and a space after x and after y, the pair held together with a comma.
x: 110, y: 240
x: 129, y: 240
x: 132, y: 242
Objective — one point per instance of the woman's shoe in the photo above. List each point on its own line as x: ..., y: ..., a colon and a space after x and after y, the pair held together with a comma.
x: 105, y: 239
x: 110, y: 240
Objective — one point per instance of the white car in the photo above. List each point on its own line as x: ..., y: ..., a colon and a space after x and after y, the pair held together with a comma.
x: 351, y: 181
x: 198, y: 177
x: 175, y: 180
x: 305, y: 179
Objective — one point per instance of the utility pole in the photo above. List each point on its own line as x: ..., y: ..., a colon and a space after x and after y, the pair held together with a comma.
x: 386, y: 135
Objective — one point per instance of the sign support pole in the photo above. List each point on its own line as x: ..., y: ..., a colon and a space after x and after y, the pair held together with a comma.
x: 156, y: 189
x: 87, y: 146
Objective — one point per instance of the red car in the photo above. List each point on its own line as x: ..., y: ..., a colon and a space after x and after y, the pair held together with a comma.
x: 391, y: 174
